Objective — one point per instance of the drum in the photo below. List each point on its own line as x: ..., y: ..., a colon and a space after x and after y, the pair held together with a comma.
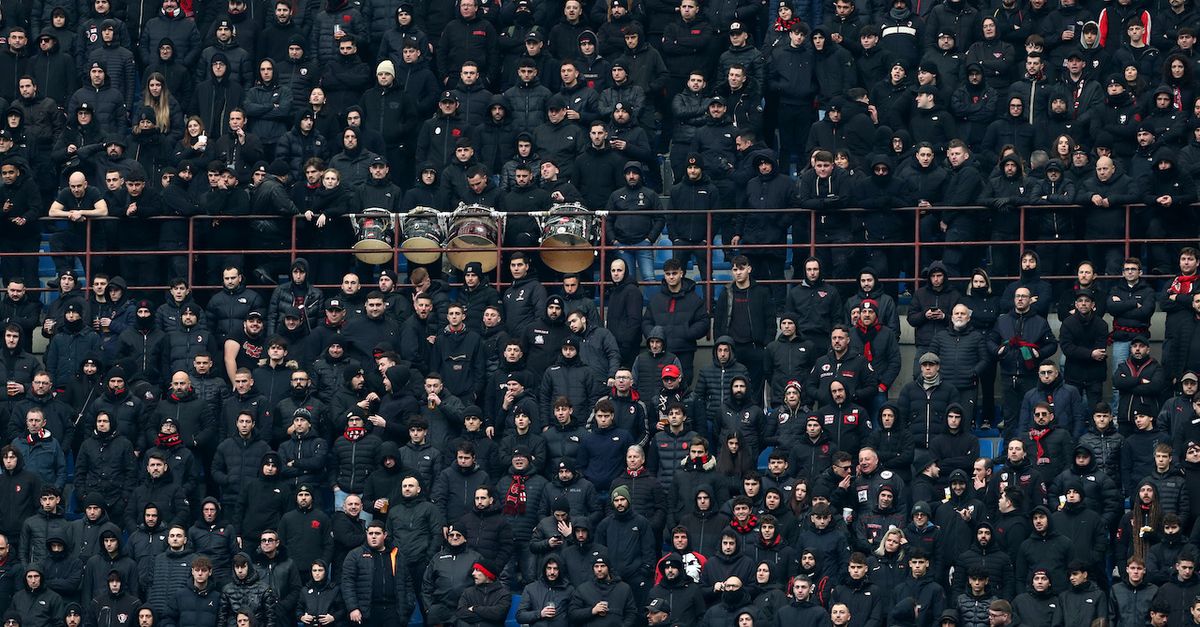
x: 374, y: 236
x: 422, y: 229
x: 568, y: 237
x: 473, y: 237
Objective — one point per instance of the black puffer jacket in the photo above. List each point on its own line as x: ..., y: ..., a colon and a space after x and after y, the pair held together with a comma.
x: 355, y: 459
x: 570, y: 378
x: 964, y: 356
x: 924, y: 409
x: 252, y: 594
x: 170, y: 572
x: 228, y: 308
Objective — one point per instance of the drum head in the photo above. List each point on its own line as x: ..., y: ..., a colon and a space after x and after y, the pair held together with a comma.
x: 566, y: 257
x: 459, y: 258
x: 373, y: 251
x: 421, y: 256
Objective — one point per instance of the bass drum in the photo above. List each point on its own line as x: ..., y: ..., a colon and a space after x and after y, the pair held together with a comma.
x: 473, y: 237
x: 422, y: 229
x: 568, y: 237
x: 374, y: 236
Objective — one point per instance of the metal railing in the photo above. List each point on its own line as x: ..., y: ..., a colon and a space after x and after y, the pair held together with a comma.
x: 196, y: 251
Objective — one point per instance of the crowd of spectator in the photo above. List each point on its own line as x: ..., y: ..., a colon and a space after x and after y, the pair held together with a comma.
x: 379, y: 446
x: 349, y: 455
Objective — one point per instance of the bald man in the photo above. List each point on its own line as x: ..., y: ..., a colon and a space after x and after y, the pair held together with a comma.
x: 1106, y: 193
x: 78, y: 202
x: 195, y: 422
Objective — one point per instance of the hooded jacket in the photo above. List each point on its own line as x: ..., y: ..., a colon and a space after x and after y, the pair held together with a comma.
x: 1047, y: 549
x: 713, y: 381
x: 249, y: 594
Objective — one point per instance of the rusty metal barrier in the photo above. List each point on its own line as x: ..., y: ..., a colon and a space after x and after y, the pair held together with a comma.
x: 195, y: 251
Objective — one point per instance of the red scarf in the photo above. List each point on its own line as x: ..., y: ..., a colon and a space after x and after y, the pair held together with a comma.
x: 34, y: 438
x: 744, y: 527
x: 782, y: 25
x: 635, y: 473
x: 514, y: 501
x: 354, y: 433
x: 1036, y: 435
x: 168, y: 440
x: 868, y: 335
x: 1183, y: 284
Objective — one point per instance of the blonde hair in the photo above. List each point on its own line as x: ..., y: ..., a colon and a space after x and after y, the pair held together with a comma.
x: 893, y: 530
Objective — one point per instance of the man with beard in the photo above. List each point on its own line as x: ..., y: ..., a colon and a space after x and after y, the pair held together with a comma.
x: 741, y: 415
x: 845, y: 364
x: 20, y: 207
x: 419, y: 333
x: 816, y: 304
x: 39, y: 394
x: 636, y: 231
x: 244, y: 347
x: 543, y: 339
x: 197, y: 423
x: 123, y: 408
x: 1141, y: 380
x: 1084, y: 337
x: 1021, y: 340
x: 1064, y: 399
x: 879, y: 345
x: 363, y: 333
x: 984, y: 555
x: 605, y: 599
x: 301, y: 398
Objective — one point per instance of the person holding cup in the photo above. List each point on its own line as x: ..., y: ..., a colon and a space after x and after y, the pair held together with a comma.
x: 544, y: 601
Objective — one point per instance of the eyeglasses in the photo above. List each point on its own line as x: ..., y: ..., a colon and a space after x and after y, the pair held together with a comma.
x: 1041, y: 413
x: 269, y: 540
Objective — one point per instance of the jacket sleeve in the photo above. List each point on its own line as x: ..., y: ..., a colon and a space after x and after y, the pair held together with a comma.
x: 404, y: 604
x: 526, y: 614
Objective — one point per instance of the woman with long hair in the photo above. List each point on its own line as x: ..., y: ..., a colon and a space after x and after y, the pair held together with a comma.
x: 1179, y: 76
x: 193, y: 146
x: 736, y: 458
x: 1062, y: 147
x: 168, y: 114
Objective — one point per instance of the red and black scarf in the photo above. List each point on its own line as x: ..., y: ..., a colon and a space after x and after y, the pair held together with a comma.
x: 514, y: 501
